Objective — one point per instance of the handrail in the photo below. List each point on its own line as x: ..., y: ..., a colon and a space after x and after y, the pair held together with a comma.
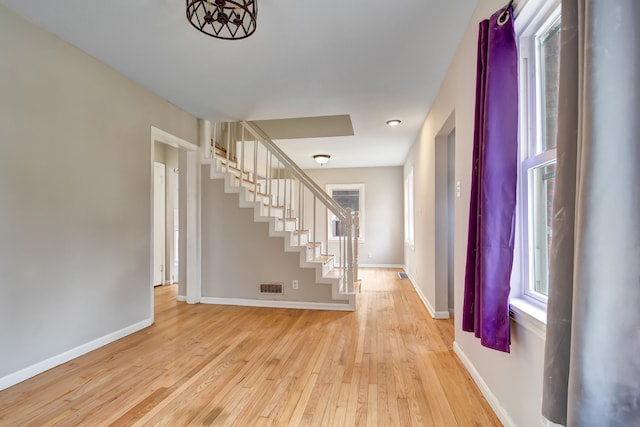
x: 317, y: 191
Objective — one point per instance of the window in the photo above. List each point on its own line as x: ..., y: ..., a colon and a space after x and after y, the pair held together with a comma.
x: 539, y: 51
x: 408, y: 209
x: 349, y: 196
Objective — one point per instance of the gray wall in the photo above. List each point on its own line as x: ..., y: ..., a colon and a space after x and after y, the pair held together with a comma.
x: 384, y: 204
x: 511, y: 382
x: 75, y: 179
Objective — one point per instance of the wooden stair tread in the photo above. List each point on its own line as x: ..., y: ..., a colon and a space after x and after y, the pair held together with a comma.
x: 220, y: 151
x: 312, y: 244
x: 237, y: 173
x: 232, y: 164
x: 323, y: 258
x: 258, y: 193
x: 247, y: 180
x: 296, y: 232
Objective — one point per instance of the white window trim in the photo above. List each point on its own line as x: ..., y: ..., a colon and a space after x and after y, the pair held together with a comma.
x: 539, y: 160
x: 532, y: 316
x: 532, y: 17
x: 361, y: 216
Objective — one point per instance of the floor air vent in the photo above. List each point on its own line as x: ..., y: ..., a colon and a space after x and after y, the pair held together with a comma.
x: 402, y: 275
x: 271, y: 288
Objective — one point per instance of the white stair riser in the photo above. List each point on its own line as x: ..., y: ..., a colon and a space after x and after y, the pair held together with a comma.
x: 313, y: 252
x: 327, y: 267
x: 258, y: 198
x: 247, y: 184
x: 285, y: 225
x: 275, y: 212
x: 299, y: 240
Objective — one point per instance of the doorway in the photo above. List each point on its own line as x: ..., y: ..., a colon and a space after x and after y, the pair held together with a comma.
x: 159, y: 223
x: 445, y: 195
x: 166, y: 213
x: 181, y: 262
x: 174, y: 227
x: 451, y: 206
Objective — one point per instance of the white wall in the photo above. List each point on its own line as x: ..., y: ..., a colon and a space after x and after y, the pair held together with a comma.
x: 512, y: 382
x: 75, y: 203
x: 384, y: 227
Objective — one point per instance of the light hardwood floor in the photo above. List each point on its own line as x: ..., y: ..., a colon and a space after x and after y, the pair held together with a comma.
x: 388, y: 364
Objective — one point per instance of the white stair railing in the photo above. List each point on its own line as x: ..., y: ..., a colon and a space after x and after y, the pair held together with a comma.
x: 287, y: 193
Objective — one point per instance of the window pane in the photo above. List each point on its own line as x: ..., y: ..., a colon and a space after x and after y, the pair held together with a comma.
x: 543, y: 179
x: 549, y: 43
x: 348, y: 199
x: 348, y: 196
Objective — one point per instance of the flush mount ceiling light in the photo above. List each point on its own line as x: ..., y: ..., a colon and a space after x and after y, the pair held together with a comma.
x: 394, y: 122
x: 321, y: 159
x: 223, y: 19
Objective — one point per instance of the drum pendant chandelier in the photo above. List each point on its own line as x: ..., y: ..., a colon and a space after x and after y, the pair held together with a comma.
x: 223, y: 19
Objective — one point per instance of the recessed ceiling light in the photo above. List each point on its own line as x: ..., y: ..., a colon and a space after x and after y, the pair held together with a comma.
x: 321, y: 159
x: 394, y: 122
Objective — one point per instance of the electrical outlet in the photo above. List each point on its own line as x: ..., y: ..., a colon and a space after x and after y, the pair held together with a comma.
x: 370, y: 254
x: 294, y: 283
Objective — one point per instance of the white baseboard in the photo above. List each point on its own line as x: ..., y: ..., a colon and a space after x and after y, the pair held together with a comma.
x: 501, y: 413
x: 181, y: 298
x: 52, y: 362
x: 435, y: 314
x: 301, y: 305
x: 381, y: 265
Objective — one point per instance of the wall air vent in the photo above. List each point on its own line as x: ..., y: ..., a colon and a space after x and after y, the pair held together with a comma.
x: 271, y: 288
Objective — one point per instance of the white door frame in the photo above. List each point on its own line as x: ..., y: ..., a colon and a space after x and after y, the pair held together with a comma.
x: 442, y: 217
x: 191, y: 234
x: 159, y: 212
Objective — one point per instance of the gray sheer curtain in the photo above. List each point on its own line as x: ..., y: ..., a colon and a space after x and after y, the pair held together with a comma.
x: 592, y: 354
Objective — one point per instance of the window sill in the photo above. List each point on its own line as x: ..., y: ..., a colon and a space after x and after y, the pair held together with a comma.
x: 531, y: 316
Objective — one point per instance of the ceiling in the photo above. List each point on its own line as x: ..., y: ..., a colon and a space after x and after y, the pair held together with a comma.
x: 372, y: 60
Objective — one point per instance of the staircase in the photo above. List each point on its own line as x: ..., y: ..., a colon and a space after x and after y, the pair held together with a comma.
x: 308, y: 220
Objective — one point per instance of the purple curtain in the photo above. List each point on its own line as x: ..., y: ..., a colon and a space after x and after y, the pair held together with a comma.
x: 493, y: 185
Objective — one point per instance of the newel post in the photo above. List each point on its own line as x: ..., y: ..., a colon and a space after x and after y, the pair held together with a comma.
x: 205, y: 138
x: 349, y: 227
x: 356, y: 225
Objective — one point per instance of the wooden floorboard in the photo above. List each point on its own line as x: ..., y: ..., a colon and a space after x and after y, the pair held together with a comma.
x: 387, y: 364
